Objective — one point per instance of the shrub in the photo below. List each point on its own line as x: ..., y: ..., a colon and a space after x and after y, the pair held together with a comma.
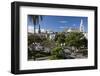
x: 56, y: 53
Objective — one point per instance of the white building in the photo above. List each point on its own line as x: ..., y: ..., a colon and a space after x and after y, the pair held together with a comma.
x: 52, y: 36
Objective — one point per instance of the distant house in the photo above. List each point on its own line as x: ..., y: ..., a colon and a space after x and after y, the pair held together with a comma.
x: 52, y: 36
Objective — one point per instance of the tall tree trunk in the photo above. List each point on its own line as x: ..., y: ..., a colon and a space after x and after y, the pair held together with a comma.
x: 34, y: 29
x: 34, y: 33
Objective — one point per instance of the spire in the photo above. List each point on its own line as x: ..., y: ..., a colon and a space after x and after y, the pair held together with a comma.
x: 39, y: 30
x: 81, y: 22
x: 81, y: 26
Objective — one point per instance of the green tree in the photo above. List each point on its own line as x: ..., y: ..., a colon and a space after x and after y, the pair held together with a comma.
x: 60, y: 38
x: 75, y: 39
x: 48, y: 43
x: 36, y: 19
x: 38, y: 39
x: 30, y: 39
x: 85, y: 42
x: 56, y: 53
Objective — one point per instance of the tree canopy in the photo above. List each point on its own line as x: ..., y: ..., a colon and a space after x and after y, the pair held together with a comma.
x: 76, y: 39
x: 60, y: 38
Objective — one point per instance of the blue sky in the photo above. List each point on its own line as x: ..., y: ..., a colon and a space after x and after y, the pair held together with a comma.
x: 59, y: 23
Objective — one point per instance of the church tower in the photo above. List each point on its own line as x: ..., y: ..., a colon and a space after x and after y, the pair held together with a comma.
x: 39, y: 30
x: 81, y: 26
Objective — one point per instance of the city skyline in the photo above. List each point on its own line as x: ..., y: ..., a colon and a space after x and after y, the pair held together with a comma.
x: 58, y: 23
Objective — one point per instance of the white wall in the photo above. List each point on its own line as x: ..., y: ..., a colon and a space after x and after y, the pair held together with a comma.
x: 5, y: 41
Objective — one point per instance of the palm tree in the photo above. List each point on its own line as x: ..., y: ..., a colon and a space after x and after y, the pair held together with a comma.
x: 36, y: 19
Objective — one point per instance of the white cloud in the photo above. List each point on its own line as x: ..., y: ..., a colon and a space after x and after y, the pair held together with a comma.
x: 31, y: 29
x: 63, y: 21
x: 62, y: 27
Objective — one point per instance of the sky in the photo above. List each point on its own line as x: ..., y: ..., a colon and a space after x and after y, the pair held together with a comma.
x: 58, y: 23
